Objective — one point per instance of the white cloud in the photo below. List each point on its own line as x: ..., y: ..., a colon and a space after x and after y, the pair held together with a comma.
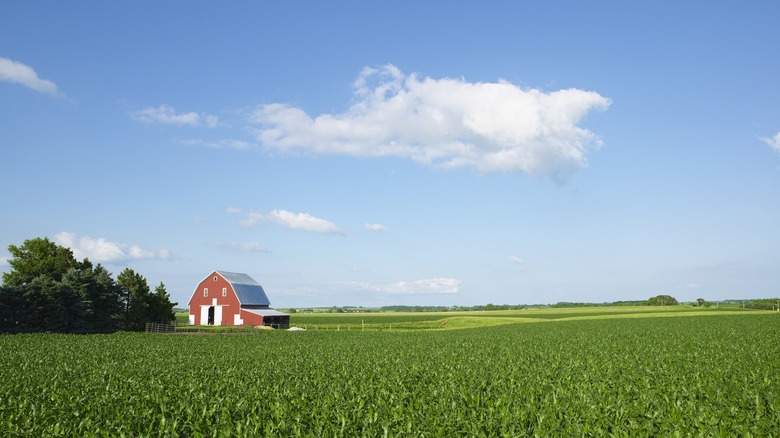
x: 429, y: 286
x: 245, y: 247
x: 519, y: 262
x: 448, y: 123
x: 103, y: 251
x: 295, y: 221
x: 377, y: 228
x: 166, y: 115
x: 18, y: 73
x: 233, y: 210
x: 220, y: 144
x: 773, y: 142
x: 4, y: 261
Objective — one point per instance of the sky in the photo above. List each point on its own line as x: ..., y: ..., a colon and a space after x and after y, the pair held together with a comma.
x: 400, y: 153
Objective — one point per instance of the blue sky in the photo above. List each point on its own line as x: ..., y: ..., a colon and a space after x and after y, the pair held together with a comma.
x: 357, y: 153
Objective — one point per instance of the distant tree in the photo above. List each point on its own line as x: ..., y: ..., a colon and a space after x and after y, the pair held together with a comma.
x: 764, y: 304
x: 662, y: 300
x: 701, y: 302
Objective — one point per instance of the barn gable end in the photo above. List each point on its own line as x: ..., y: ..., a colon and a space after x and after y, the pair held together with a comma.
x: 233, y: 299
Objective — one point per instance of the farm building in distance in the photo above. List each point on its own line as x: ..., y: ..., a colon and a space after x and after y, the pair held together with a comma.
x: 229, y: 298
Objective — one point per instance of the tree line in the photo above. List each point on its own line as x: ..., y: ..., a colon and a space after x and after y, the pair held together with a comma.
x: 48, y: 289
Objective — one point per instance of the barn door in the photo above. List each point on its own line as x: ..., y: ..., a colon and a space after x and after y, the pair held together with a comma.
x: 211, y: 315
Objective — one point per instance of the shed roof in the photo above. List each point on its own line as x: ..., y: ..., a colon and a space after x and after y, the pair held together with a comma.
x: 247, y: 289
x: 265, y: 312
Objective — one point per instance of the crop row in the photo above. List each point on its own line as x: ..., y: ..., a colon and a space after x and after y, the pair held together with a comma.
x: 702, y: 376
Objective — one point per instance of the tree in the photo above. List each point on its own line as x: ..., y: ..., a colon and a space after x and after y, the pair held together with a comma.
x: 701, y: 302
x: 662, y: 300
x: 107, y: 301
x: 47, y: 289
x: 36, y: 257
x: 160, y: 306
x: 134, y: 291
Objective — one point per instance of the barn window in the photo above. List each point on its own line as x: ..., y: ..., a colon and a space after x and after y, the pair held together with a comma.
x: 215, y: 278
x: 224, y: 291
x: 205, y: 291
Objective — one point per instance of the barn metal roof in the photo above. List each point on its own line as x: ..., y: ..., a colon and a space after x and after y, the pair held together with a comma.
x: 265, y: 312
x: 247, y: 289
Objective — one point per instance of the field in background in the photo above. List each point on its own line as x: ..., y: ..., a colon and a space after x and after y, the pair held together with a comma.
x: 455, y: 320
x: 626, y: 373
x: 373, y: 320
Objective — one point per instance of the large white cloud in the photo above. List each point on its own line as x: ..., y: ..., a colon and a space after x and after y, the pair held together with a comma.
x: 295, y: 221
x: 166, y: 115
x: 773, y: 142
x: 19, y: 73
x: 103, y: 251
x: 449, y: 123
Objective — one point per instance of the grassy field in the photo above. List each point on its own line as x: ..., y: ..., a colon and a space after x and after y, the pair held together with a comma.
x: 455, y: 320
x: 580, y: 372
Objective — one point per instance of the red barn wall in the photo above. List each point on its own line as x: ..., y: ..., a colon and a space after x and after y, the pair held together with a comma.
x: 229, y: 303
x: 251, y: 319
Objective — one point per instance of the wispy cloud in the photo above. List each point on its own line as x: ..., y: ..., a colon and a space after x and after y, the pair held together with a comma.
x: 518, y: 262
x: 377, y: 228
x: 448, y: 123
x: 233, y: 210
x: 103, y: 251
x: 295, y: 221
x: 241, y: 247
x: 19, y: 73
x: 220, y: 144
x: 4, y: 261
x: 428, y: 286
x: 166, y: 115
x: 773, y: 142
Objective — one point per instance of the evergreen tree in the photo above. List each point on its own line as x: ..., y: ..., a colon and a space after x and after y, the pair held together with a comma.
x: 161, y: 307
x: 135, y: 297
x: 106, y: 300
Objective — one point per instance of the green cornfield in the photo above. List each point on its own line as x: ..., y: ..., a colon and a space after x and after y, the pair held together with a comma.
x: 708, y: 375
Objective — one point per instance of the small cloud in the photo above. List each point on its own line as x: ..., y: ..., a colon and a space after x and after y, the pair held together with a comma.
x: 519, y: 262
x: 241, y: 247
x: 166, y: 115
x: 19, y: 73
x: 693, y: 286
x: 211, y: 121
x: 377, y: 228
x: 103, y: 251
x: 295, y: 221
x: 445, y: 123
x: 4, y: 261
x: 773, y: 142
x: 220, y: 144
x: 233, y: 210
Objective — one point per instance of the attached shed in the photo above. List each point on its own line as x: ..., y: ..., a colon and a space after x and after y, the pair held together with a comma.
x: 234, y: 299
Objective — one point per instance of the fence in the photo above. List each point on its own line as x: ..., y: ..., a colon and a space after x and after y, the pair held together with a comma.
x: 156, y: 327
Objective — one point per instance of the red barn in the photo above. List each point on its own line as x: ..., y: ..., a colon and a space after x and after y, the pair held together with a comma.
x: 229, y: 298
